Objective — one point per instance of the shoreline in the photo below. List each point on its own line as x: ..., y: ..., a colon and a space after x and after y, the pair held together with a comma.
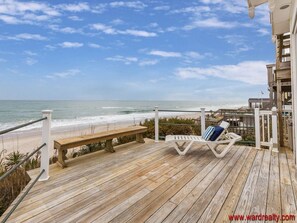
x: 27, y: 140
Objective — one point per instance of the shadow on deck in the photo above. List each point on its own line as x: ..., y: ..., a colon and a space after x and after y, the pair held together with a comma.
x: 151, y: 183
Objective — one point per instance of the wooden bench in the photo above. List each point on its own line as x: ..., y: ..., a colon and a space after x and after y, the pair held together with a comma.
x: 63, y: 144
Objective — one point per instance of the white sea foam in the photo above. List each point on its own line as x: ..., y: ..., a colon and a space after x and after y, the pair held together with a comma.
x: 107, y: 120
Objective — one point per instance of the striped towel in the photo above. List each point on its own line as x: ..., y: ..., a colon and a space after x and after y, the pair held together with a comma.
x: 208, y: 133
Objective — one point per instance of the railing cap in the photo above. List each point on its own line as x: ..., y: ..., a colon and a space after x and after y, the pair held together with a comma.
x: 47, y: 111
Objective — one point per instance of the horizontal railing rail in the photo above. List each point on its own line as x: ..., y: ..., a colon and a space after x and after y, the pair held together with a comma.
x: 202, y: 119
x: 20, y: 163
x: 22, y: 197
x: 175, y: 124
x: 169, y: 110
x: 21, y: 126
x: 44, y: 158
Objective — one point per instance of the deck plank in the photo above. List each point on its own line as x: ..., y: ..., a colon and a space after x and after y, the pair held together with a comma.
x: 53, y: 189
x: 177, y: 214
x: 110, y: 189
x: 195, y: 212
x: 287, y: 194
x: 231, y: 201
x: 293, y: 172
x: 245, y: 202
x: 274, y: 194
x: 158, y: 191
x: 215, y: 205
x: 152, y: 183
x: 260, y: 198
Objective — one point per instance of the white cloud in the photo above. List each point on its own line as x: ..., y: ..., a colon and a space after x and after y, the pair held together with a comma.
x: 211, y: 1
x: 71, y: 44
x: 69, y: 30
x: 65, y: 74
x: 263, y: 15
x: 189, y: 56
x: 28, y: 36
x: 30, y: 53
x: 162, y: 8
x: 117, y: 22
x: 129, y: 4
x: 27, y: 12
x: 239, y: 42
x: 263, y: 32
x: 210, y: 23
x: 193, y: 9
x: 94, y: 45
x: 13, y: 7
x: 99, y: 8
x: 10, y: 19
x: 140, y: 33
x: 165, y: 53
x: 82, y: 6
x: 232, y: 6
x: 50, y: 47
x: 112, y: 31
x: 194, y: 55
x: 251, y: 72
x: 34, y: 17
x: 125, y: 60
x: 104, y: 28
x: 148, y: 62
x: 171, y: 29
x: 234, y: 39
x: 75, y: 18
x: 30, y: 61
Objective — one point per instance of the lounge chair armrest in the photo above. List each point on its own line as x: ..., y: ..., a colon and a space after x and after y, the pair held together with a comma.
x: 230, y: 137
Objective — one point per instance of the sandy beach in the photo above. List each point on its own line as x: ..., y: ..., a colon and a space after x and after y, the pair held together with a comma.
x: 27, y: 141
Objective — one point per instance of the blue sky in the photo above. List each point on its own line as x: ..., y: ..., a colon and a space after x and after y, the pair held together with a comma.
x: 133, y: 50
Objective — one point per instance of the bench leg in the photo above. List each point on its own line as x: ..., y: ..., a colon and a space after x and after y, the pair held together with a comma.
x: 61, y: 158
x: 108, y: 146
x: 139, y: 138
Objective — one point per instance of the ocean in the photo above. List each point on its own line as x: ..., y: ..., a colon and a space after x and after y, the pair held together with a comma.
x: 84, y: 113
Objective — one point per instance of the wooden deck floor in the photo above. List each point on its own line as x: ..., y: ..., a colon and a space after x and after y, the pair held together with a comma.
x: 151, y: 183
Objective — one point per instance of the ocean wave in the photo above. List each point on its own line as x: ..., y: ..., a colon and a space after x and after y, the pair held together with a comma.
x: 123, y: 116
x: 115, y: 107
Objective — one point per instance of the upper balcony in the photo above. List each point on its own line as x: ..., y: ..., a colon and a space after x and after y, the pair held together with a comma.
x: 151, y: 183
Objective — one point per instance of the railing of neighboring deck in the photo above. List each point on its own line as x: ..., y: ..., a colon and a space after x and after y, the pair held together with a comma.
x: 44, y: 163
x: 266, y: 129
x: 202, y: 113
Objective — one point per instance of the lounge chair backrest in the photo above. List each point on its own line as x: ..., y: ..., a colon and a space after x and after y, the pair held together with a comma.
x: 224, y: 125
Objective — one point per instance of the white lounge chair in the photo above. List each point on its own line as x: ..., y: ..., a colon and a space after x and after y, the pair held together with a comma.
x: 225, y: 137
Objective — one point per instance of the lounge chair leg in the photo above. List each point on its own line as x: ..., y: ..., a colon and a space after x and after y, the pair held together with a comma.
x: 225, y: 150
x: 183, y: 152
x: 181, y: 147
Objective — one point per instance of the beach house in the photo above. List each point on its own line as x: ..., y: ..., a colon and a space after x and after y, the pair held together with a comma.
x: 282, y: 76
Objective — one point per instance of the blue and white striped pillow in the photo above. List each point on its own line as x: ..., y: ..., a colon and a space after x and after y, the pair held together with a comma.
x: 208, y: 133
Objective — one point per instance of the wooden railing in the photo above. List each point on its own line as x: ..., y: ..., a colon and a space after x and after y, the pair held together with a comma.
x: 44, y: 162
x: 202, y: 119
x: 266, y: 129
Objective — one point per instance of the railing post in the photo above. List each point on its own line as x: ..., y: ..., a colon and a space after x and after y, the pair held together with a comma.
x: 156, y: 124
x: 46, y: 138
x: 257, y: 128
x: 202, y: 120
x: 274, y: 130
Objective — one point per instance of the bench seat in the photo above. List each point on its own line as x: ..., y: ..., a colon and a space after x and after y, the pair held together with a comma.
x: 63, y: 144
